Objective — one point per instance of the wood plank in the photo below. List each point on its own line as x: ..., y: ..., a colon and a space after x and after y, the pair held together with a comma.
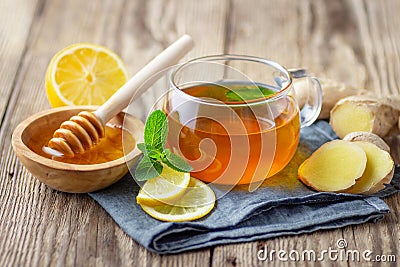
x: 39, y: 226
x: 378, y: 24
x: 380, y: 38
x: 159, y: 23
x: 15, y: 20
x: 42, y: 223
x: 350, y: 41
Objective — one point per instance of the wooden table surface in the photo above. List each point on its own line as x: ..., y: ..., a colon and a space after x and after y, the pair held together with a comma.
x: 357, y: 42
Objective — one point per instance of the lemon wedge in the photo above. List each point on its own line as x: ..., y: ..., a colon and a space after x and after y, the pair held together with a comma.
x: 84, y: 74
x: 197, y: 201
x: 163, y: 189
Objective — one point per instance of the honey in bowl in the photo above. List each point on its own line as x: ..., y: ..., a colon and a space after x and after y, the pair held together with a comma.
x: 108, y: 149
x: 271, y: 139
x: 74, y: 178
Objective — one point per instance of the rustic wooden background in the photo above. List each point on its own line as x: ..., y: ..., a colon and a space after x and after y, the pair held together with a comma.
x: 354, y: 41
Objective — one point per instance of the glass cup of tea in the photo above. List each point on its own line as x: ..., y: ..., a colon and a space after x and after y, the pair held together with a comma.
x: 235, y: 118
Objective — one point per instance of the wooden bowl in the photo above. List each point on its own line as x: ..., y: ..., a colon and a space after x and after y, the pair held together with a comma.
x: 73, y: 178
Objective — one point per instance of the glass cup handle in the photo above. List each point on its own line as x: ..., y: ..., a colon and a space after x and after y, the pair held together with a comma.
x: 312, y: 107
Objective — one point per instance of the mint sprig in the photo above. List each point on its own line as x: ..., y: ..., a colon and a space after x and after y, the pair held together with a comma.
x: 248, y: 93
x: 154, y: 151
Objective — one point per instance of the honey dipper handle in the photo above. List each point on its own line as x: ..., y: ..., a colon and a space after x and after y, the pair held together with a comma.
x: 170, y: 56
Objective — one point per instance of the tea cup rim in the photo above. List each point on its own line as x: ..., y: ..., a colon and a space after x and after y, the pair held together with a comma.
x: 279, y: 94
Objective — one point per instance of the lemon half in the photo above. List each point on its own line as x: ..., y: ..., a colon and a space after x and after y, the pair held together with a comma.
x: 84, y: 74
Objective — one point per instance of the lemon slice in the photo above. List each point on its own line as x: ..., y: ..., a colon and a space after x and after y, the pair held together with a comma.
x: 164, y: 189
x: 84, y: 74
x: 197, y: 201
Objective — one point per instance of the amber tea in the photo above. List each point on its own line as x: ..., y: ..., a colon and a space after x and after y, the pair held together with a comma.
x: 246, y: 143
x: 235, y: 118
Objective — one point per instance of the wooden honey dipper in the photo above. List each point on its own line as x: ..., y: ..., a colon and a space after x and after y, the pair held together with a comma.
x: 83, y: 131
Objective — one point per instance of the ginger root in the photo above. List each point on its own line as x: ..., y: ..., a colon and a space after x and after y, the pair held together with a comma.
x: 334, y: 167
x: 378, y: 171
x: 332, y: 92
x: 365, y: 114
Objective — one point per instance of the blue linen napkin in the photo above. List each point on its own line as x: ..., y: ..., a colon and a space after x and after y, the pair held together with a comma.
x: 281, y: 206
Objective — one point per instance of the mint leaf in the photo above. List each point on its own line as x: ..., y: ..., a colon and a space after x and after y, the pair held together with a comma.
x: 154, y: 152
x: 150, y: 151
x: 176, y: 162
x: 248, y: 93
x: 156, y: 130
x: 142, y: 147
x: 147, y: 168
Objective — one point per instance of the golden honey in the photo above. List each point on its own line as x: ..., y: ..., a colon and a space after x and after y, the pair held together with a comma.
x: 110, y: 148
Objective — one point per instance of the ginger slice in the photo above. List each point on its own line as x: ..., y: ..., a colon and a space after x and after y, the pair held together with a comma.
x: 378, y: 171
x: 351, y: 117
x: 334, y: 167
x: 368, y: 137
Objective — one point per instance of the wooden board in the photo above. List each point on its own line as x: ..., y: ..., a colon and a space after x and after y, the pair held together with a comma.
x: 16, y: 24
x: 350, y: 40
